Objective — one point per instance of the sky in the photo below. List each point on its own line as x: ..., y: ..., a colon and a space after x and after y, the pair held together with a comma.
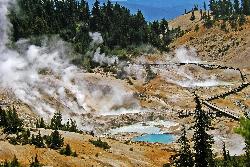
x: 158, y: 9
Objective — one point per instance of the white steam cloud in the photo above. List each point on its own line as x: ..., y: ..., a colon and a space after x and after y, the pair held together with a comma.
x: 4, y: 24
x: 44, y: 78
x: 136, y: 70
x: 96, y: 38
x: 99, y: 57
x: 23, y: 75
x: 185, y: 55
x: 173, y: 73
x: 183, y: 76
x: 103, y: 59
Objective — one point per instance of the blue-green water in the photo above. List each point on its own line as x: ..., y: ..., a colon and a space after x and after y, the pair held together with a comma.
x: 155, y: 138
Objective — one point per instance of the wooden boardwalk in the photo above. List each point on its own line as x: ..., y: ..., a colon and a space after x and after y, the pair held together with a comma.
x: 232, y: 91
x: 206, y: 102
x: 223, y: 111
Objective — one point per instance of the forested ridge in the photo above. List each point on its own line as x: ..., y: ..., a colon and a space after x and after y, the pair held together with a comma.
x: 233, y: 12
x: 121, y: 30
x: 73, y: 20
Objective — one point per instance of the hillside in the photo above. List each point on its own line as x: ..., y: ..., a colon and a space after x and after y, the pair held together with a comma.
x: 120, y: 154
x: 215, y: 45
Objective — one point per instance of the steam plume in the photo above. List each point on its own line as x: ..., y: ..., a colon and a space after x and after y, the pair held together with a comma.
x: 44, y: 78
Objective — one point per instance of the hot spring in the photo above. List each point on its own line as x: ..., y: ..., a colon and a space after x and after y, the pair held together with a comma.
x: 155, y: 138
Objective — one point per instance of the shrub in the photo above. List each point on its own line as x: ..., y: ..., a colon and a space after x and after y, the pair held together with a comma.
x: 196, y: 29
x: 56, y: 124
x: 40, y: 123
x: 56, y: 121
x: 35, y: 162
x: 13, y: 141
x: 13, y: 163
x: 55, y: 140
x: 10, y: 121
x: 101, y: 144
x: 192, y: 18
x: 24, y: 137
x: 70, y: 126
x: 67, y: 151
x: 37, y: 140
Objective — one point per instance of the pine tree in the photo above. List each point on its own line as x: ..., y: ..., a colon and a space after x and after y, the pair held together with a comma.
x: 73, y: 21
x: 33, y: 139
x: 201, y: 13
x: 241, y: 19
x: 39, y: 140
x: 84, y: 12
x: 14, y: 162
x: 28, y: 132
x: 40, y: 26
x: 67, y: 126
x: 109, y: 9
x: 68, y: 150
x: 226, y: 156
x: 25, y: 137
x: 13, y: 123
x: 246, y: 7
x: 73, y: 126
x: 229, y: 8
x: 55, y: 140
x: 237, y: 9
x: 214, y: 8
x: 3, y: 121
x: 192, y: 18
x: 196, y: 7
x: 150, y: 74
x: 56, y: 121
x: 74, y: 154
x: 154, y: 36
x: 222, y: 9
x: 40, y: 123
x: 155, y: 27
x: 212, y: 5
x: 208, y: 22
x: 95, y: 21
x: 35, y: 162
x: 184, y: 157
x: 202, y: 140
x: 107, y: 16
x: 164, y: 26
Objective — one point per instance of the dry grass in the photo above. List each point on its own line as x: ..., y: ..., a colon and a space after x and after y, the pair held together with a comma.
x: 88, y: 155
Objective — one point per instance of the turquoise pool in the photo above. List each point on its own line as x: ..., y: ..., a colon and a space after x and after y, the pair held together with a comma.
x: 155, y: 138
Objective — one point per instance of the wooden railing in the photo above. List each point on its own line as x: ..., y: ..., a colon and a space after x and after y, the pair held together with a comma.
x: 232, y: 91
x: 223, y: 111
